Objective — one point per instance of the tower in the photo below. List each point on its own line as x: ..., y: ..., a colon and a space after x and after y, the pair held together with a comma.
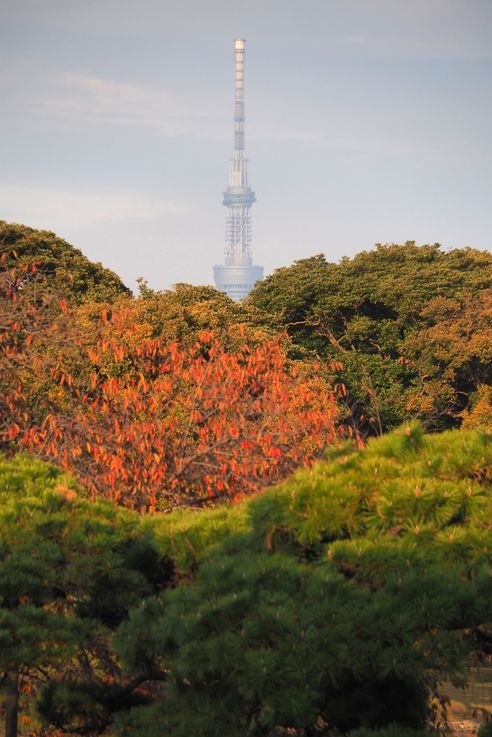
x: 238, y: 275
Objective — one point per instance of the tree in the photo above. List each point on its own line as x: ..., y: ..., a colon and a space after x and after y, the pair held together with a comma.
x: 359, y: 313
x: 64, y: 267
x: 452, y: 353
x: 337, y: 600
x: 150, y: 423
x: 69, y: 572
x: 183, y: 312
x: 346, y: 595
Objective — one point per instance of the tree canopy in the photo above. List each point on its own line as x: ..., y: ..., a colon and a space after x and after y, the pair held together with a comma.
x: 69, y: 572
x: 153, y: 422
x: 371, y: 311
x: 340, y: 599
x: 334, y: 602
x: 182, y: 312
x: 64, y: 267
x: 371, y: 315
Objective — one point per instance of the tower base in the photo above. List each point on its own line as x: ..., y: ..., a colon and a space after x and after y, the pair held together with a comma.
x: 237, y: 281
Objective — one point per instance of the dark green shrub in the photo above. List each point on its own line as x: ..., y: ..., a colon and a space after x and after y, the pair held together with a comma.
x: 485, y: 730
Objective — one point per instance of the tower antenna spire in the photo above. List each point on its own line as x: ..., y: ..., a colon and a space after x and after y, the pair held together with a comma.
x: 238, y: 275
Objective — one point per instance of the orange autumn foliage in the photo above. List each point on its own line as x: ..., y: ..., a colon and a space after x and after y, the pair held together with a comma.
x: 153, y: 424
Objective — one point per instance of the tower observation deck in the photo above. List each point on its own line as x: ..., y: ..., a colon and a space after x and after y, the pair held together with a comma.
x: 238, y: 275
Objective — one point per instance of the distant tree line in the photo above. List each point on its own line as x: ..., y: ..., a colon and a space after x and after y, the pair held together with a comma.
x: 409, y: 327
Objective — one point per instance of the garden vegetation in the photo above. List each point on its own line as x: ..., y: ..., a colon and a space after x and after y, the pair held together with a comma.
x: 208, y: 524
x: 340, y: 599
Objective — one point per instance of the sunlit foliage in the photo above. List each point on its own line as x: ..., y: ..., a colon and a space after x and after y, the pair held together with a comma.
x: 150, y: 422
x: 396, y: 319
x: 63, y: 266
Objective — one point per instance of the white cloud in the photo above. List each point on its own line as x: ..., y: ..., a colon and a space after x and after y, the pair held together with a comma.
x: 57, y: 209
x: 45, y: 96
x: 92, y: 100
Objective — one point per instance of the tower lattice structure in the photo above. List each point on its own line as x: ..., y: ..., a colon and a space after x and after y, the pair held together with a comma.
x: 238, y: 275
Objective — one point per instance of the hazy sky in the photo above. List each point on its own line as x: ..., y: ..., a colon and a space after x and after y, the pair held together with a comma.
x: 366, y: 121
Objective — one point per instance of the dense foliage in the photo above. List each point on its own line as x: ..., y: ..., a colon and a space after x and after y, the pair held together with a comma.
x: 411, y: 326
x: 183, y: 312
x: 340, y: 598
x: 151, y: 422
x: 336, y: 602
x: 65, y: 267
x: 69, y: 572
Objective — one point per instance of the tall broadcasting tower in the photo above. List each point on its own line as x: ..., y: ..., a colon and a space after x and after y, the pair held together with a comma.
x: 238, y: 275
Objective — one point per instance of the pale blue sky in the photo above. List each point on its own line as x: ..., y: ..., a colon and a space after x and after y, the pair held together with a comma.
x: 367, y: 121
